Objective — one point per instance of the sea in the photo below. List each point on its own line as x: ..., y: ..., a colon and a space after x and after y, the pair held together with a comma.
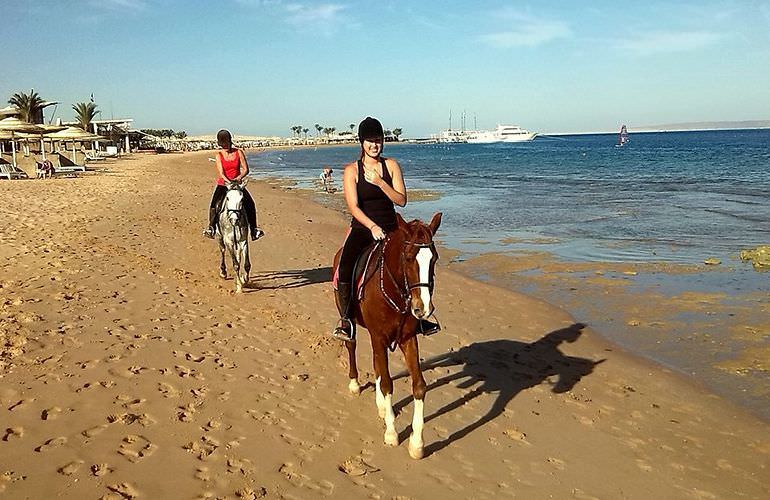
x: 627, y: 232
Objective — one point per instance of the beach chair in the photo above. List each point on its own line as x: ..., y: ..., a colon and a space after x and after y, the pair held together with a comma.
x: 8, y: 172
x: 67, y: 165
x: 94, y: 157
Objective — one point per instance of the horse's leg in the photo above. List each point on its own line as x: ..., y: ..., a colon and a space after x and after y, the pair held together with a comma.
x: 236, y: 267
x: 243, y: 260
x: 246, y: 263
x: 222, y: 266
x: 384, y: 393
x: 353, y: 385
x: 412, y: 358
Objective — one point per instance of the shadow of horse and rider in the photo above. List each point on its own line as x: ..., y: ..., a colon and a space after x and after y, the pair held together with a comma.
x: 293, y: 278
x: 503, y: 367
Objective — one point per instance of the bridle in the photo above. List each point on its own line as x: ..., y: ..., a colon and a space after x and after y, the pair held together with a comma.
x: 405, y: 292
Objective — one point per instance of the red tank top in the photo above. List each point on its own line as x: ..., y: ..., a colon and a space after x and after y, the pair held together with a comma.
x: 231, y: 168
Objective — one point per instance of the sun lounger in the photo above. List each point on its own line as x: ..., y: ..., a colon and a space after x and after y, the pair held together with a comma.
x: 8, y: 172
x: 66, y: 165
x: 94, y: 157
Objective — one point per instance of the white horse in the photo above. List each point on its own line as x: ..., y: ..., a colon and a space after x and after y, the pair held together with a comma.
x: 233, y: 234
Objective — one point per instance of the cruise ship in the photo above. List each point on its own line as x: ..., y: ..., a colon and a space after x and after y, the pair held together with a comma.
x: 503, y: 133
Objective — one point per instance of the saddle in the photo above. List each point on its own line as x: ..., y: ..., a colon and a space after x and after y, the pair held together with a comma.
x: 365, y: 267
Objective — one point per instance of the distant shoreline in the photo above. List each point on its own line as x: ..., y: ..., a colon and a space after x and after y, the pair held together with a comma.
x: 682, y: 127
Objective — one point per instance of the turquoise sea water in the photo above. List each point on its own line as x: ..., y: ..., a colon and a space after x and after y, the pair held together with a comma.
x: 676, y: 198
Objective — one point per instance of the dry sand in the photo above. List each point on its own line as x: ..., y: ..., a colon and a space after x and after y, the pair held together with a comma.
x: 130, y: 370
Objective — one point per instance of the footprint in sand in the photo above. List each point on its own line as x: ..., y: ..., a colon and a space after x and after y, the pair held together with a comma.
x: 70, y: 468
x: 125, y: 490
x: 243, y: 466
x: 134, y: 448
x: 51, y: 443
x: 203, y: 449
x: 168, y: 390
x: 50, y: 413
x: 251, y: 494
x: 13, y: 432
x: 21, y: 404
x: 99, y: 470
x: 95, y: 430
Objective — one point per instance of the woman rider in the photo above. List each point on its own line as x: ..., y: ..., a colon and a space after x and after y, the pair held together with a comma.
x: 372, y: 185
x: 231, y: 167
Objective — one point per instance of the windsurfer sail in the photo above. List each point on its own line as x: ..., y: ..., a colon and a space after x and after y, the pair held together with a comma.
x: 622, y: 137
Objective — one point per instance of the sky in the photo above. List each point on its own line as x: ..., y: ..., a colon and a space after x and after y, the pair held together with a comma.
x: 258, y: 67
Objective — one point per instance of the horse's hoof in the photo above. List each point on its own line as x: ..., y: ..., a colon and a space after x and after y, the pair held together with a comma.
x: 416, y: 451
x: 223, y: 275
x: 354, y: 387
x: 391, y: 438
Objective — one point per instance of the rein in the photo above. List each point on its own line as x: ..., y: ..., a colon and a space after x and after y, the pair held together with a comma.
x: 404, y: 293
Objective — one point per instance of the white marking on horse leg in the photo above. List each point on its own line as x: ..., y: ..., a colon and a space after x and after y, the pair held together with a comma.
x: 415, y: 440
x: 379, y: 398
x: 424, y: 257
x: 391, y: 436
x: 354, y: 387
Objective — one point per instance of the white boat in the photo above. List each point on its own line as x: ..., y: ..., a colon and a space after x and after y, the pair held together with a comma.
x: 503, y: 133
x: 452, y: 136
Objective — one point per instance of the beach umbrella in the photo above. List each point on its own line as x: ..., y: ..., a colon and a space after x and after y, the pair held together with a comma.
x: 14, y: 125
x: 74, y: 134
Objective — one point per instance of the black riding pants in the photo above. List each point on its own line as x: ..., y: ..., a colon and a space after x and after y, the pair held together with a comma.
x: 358, y: 239
x: 216, y: 206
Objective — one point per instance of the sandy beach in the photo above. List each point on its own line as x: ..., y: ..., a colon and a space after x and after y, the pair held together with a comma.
x: 129, y: 369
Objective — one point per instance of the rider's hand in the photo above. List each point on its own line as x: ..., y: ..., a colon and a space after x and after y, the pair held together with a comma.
x: 377, y: 233
x: 372, y: 176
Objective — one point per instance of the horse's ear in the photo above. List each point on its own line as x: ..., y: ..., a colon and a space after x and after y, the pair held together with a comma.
x: 435, y: 222
x: 400, y: 220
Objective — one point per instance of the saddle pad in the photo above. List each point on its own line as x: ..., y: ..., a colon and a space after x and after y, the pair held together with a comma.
x: 364, y: 269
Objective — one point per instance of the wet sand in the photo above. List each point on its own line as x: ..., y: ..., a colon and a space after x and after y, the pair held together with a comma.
x: 130, y: 370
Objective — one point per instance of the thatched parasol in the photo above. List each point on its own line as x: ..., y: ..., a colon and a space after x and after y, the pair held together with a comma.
x: 74, y: 134
x: 14, y: 125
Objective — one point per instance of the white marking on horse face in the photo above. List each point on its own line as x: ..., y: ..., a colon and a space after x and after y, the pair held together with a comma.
x: 424, y: 257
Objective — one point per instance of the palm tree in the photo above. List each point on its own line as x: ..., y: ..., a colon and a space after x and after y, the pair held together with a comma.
x: 84, y: 113
x: 397, y: 132
x: 29, y: 105
x: 305, y: 131
x: 318, y: 129
x: 352, y: 126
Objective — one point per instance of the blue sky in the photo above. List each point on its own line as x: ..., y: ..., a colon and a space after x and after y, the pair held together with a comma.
x: 261, y: 66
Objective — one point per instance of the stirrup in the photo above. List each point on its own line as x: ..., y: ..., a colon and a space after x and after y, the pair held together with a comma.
x: 339, y: 332
x: 209, y: 232
x: 428, y: 328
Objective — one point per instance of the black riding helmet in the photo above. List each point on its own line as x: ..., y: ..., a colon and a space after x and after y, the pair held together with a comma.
x: 370, y: 128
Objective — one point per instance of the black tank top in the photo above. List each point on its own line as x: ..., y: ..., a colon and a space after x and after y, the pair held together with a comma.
x: 374, y: 202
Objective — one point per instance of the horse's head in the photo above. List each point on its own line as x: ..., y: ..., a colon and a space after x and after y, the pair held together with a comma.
x: 234, y: 200
x: 419, y: 258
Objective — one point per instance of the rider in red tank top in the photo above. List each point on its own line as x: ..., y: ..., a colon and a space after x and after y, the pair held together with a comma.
x: 231, y: 167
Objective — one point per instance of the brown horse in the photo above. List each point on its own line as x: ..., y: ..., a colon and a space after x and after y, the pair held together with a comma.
x: 395, y: 296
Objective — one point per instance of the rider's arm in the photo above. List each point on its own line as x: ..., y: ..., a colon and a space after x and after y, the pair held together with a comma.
x: 220, y: 170
x: 244, y: 166
x: 397, y: 193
